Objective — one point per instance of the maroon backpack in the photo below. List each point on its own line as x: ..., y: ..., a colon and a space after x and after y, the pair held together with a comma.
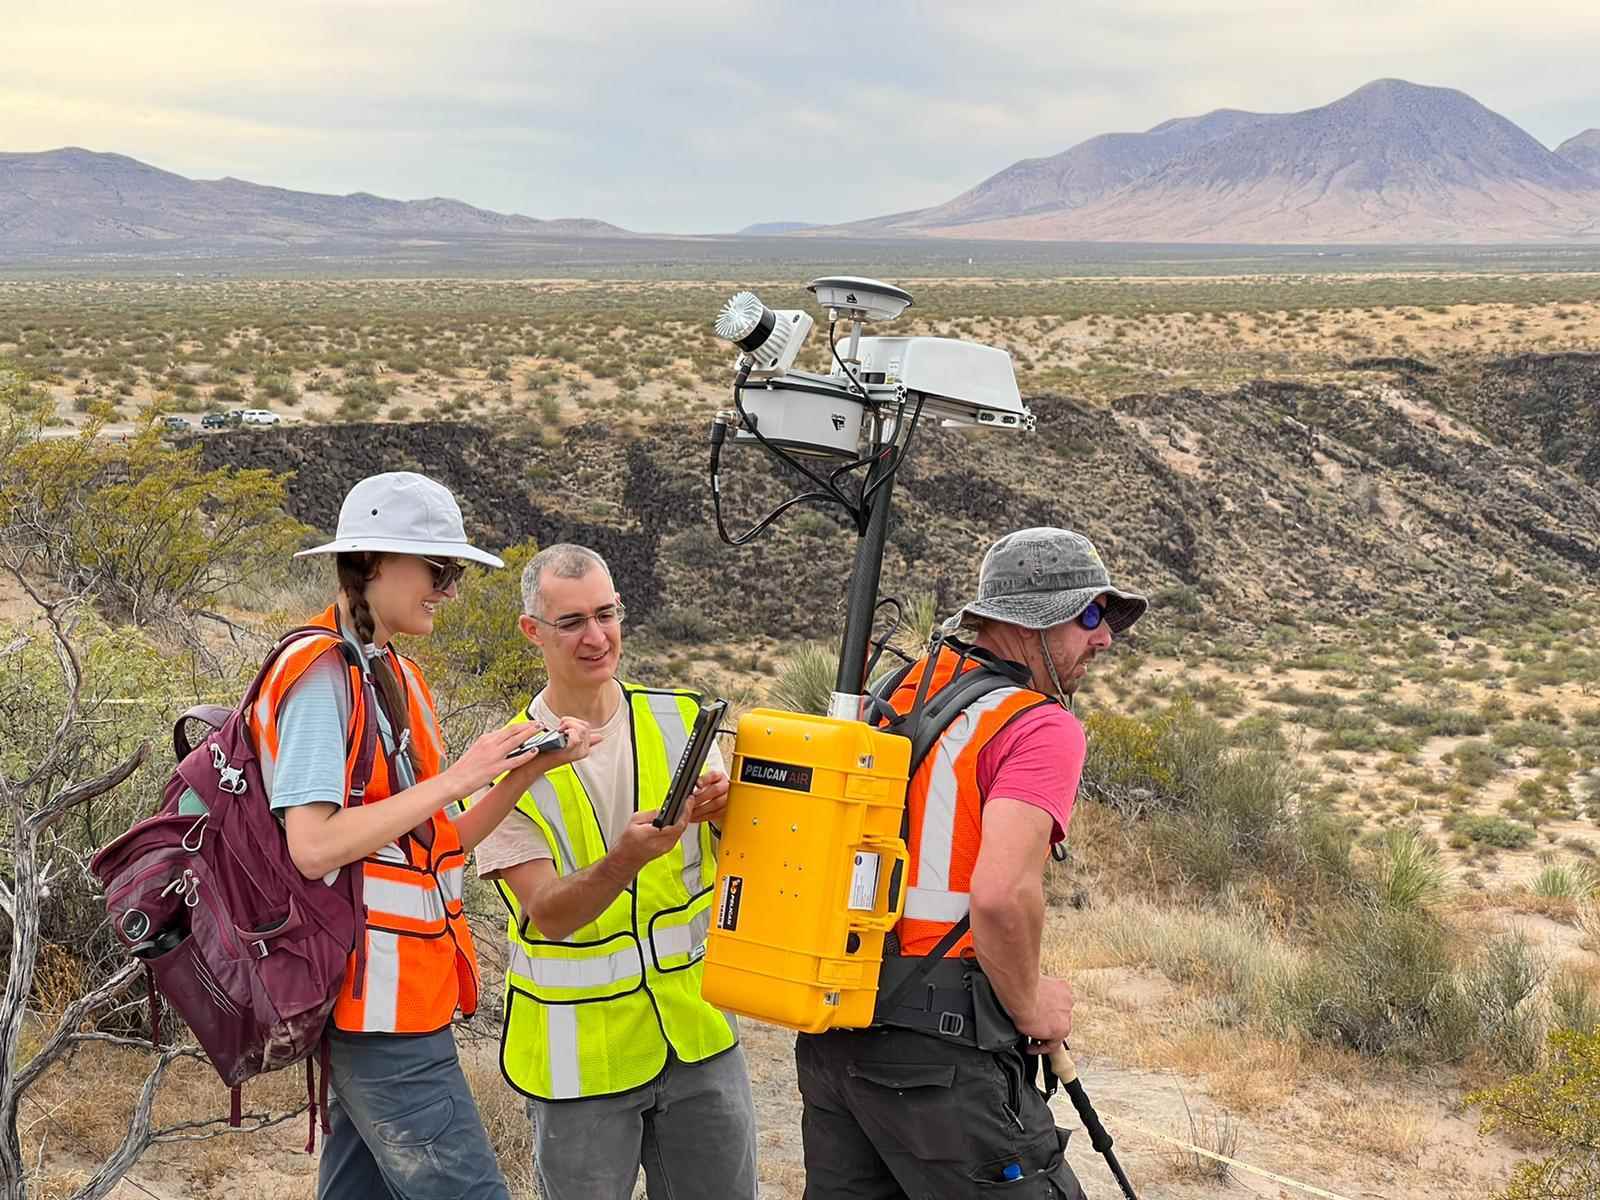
x: 248, y: 951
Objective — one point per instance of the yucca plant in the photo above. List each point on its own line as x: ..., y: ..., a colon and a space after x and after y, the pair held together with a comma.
x: 1410, y: 874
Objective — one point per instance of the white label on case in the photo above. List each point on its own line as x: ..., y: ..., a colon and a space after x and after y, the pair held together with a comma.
x: 864, y: 882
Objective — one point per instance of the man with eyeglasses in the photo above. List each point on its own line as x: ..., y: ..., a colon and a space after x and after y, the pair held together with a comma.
x: 936, y: 1098
x: 624, y: 1065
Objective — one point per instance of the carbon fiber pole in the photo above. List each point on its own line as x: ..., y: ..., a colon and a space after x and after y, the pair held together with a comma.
x: 862, y: 599
x: 1067, y: 1072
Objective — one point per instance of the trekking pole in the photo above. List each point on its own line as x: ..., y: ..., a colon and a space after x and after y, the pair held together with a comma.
x: 1065, y: 1070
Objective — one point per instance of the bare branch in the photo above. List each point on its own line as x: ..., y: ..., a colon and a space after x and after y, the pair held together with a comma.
x: 71, y: 672
x: 71, y: 1017
x: 219, y: 1127
x: 69, y: 797
x: 138, y: 1137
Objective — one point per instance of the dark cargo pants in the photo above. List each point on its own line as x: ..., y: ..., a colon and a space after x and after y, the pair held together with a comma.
x: 892, y: 1114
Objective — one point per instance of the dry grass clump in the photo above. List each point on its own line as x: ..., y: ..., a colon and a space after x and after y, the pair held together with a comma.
x: 1218, y: 1134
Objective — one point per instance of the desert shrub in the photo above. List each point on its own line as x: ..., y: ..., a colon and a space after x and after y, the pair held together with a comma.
x: 278, y: 387
x: 1383, y: 983
x: 683, y: 626
x: 1434, y: 720
x: 1493, y: 831
x: 143, y: 526
x: 1559, y: 1105
x: 1498, y: 985
x: 1475, y: 762
x: 1218, y: 811
x: 1574, y: 1003
x: 805, y: 679
x: 1232, y: 952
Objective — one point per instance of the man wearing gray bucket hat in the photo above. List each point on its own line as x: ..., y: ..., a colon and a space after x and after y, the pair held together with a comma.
x: 935, y: 1097
x: 1051, y: 584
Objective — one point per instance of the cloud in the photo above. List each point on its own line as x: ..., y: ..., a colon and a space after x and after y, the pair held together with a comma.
x: 705, y: 114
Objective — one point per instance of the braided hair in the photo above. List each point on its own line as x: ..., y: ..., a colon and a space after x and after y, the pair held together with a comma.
x: 356, y: 569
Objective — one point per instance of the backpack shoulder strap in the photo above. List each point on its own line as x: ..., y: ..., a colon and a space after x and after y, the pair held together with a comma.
x: 368, y: 748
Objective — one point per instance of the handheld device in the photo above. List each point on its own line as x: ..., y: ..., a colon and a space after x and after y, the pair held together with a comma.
x: 545, y: 739
x: 691, y: 762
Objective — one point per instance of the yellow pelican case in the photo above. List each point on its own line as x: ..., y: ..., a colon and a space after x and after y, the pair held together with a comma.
x: 811, y: 871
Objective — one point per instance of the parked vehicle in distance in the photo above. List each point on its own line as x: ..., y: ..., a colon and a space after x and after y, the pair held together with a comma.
x: 219, y: 420
x: 173, y: 421
x: 259, y: 416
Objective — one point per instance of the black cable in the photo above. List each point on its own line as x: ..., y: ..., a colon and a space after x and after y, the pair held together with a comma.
x: 882, y: 643
x: 905, y: 447
x: 833, y: 345
x: 775, y: 450
x: 719, y: 434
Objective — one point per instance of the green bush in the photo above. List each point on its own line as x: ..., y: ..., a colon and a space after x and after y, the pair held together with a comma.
x: 1492, y: 831
x: 1574, y: 1004
x: 1218, y: 811
x: 1383, y: 984
x: 684, y: 626
x: 142, y: 525
x: 1559, y: 1106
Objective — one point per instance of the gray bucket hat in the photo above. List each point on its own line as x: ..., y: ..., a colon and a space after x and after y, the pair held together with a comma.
x: 1041, y: 577
x: 401, y: 512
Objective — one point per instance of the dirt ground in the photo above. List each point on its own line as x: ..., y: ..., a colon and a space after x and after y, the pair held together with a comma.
x: 1354, y: 1138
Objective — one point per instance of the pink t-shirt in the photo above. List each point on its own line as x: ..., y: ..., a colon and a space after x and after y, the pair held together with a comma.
x: 1036, y: 759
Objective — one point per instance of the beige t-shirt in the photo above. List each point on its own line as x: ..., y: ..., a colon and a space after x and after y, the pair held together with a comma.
x: 606, y: 774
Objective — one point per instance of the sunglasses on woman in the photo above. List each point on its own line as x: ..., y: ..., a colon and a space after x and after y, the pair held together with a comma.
x: 446, y: 571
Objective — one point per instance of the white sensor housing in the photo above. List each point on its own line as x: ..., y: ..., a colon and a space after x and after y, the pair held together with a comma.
x: 769, y: 338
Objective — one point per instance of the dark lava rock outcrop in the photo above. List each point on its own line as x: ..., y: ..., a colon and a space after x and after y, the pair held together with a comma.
x: 1405, y: 490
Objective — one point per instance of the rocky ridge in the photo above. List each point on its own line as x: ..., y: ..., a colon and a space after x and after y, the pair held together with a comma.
x: 1401, y: 486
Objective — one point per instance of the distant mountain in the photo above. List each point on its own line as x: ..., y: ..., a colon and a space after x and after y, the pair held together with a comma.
x: 1073, y: 178
x: 79, y: 199
x: 773, y: 228
x: 1583, y: 151
x: 1391, y: 162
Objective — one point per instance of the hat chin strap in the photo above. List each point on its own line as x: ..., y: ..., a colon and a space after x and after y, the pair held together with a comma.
x: 1050, y: 665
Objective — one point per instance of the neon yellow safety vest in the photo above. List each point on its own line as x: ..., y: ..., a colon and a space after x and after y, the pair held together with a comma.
x: 595, y: 1013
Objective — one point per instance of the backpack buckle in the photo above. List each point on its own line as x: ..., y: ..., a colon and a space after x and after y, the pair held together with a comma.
x: 260, y: 945
x: 951, y: 1024
x: 229, y: 778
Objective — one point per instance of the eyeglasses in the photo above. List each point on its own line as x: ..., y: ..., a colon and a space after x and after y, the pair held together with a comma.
x: 445, y: 571
x: 1091, y: 616
x: 607, y: 616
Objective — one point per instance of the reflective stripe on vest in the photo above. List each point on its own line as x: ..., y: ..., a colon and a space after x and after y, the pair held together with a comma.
x: 945, y: 809
x: 418, y: 964
x: 597, y: 1012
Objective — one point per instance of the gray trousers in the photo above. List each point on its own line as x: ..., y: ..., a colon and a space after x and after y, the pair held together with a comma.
x: 693, y: 1130
x: 405, y: 1126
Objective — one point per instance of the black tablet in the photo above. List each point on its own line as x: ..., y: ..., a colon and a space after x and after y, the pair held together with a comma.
x: 692, y: 762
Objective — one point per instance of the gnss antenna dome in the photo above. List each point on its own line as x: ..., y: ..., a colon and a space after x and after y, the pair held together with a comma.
x: 860, y: 299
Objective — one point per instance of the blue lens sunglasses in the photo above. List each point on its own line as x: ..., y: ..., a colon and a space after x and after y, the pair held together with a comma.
x: 1091, y: 616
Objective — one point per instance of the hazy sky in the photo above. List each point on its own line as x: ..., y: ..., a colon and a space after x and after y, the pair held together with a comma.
x: 701, y: 116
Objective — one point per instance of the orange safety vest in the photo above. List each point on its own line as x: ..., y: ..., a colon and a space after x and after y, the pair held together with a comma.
x: 944, y: 808
x: 416, y: 964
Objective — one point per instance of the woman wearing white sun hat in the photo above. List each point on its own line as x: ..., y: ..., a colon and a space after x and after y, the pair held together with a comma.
x: 403, y: 1120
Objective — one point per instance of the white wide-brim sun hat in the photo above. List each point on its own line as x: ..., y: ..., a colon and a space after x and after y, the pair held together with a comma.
x: 401, y: 512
